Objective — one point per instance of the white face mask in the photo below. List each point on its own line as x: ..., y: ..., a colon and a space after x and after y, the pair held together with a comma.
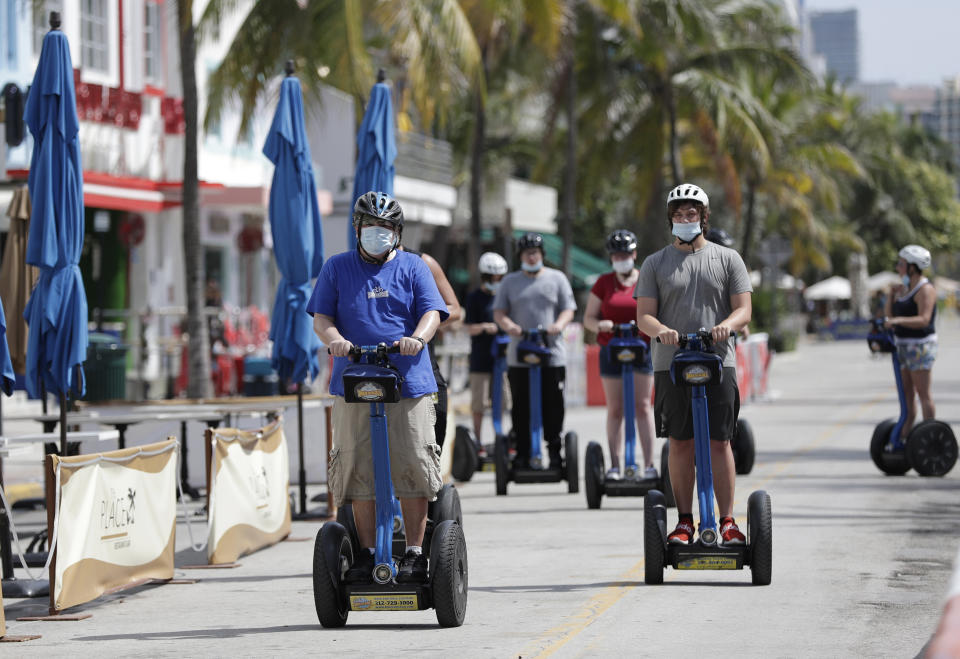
x: 531, y: 267
x: 493, y: 287
x: 686, y: 231
x: 623, y: 266
x: 376, y: 240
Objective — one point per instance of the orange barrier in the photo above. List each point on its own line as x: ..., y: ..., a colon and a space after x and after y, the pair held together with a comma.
x: 595, y: 394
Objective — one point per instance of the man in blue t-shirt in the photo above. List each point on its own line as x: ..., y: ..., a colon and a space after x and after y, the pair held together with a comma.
x: 381, y: 294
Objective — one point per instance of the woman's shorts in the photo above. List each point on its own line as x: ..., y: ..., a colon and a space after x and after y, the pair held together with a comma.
x: 674, y: 414
x: 481, y: 396
x: 609, y: 368
x: 414, y: 455
x: 917, y: 356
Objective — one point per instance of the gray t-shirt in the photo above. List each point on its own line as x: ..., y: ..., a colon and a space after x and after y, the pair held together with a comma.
x: 535, y: 301
x: 692, y: 290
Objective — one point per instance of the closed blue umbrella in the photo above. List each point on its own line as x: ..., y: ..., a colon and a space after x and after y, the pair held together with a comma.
x: 7, y: 376
x: 298, y: 245
x: 57, y: 310
x: 376, y: 148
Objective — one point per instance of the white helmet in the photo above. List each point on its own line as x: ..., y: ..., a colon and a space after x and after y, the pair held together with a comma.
x: 492, y: 263
x: 688, y: 192
x: 919, y: 256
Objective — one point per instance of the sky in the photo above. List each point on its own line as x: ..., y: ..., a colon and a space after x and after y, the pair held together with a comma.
x: 907, y: 41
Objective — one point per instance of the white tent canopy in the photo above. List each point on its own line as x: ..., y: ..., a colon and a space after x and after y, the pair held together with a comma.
x: 882, y: 281
x: 833, y: 288
x: 785, y: 281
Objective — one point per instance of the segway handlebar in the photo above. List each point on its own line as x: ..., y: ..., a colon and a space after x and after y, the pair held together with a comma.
x: 624, y: 330
x: 356, y: 350
x: 703, y: 334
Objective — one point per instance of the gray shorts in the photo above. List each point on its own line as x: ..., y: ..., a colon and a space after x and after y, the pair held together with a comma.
x: 414, y: 454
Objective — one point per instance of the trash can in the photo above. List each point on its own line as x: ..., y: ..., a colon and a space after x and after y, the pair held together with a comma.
x: 259, y: 378
x: 106, y: 368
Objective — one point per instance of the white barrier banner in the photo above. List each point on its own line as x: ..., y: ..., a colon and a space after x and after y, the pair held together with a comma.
x: 116, y: 520
x: 249, y: 506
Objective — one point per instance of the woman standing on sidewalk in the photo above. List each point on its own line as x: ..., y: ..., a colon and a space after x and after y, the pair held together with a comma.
x: 611, y: 302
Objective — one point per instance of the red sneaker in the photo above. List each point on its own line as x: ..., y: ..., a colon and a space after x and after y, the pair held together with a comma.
x: 683, y: 534
x: 730, y: 532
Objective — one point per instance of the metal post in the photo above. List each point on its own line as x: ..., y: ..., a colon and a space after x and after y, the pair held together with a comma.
x: 303, y: 472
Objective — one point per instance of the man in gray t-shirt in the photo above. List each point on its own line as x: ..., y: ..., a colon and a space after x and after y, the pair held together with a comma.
x: 535, y: 296
x: 688, y: 285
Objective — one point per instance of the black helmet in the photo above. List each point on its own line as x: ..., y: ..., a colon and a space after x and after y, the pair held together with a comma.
x: 720, y: 237
x: 378, y: 205
x: 621, y: 240
x: 530, y: 240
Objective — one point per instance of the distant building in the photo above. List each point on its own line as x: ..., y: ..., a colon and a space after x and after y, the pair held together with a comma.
x: 946, y: 110
x: 835, y: 36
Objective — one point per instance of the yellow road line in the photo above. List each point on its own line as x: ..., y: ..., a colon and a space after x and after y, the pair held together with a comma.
x: 556, y: 637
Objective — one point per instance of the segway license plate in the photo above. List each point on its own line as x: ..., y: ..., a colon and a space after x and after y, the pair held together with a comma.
x: 385, y: 602
x: 709, y: 563
x: 698, y: 557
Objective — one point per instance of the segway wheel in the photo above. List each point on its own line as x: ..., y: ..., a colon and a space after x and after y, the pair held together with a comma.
x: 593, y: 475
x: 571, y: 457
x: 893, y: 463
x: 447, y: 506
x: 345, y: 518
x: 932, y: 448
x: 501, y: 462
x: 654, y: 536
x: 744, y: 447
x: 666, y: 485
x: 448, y: 573
x: 465, y: 458
x: 332, y: 557
x: 760, y: 540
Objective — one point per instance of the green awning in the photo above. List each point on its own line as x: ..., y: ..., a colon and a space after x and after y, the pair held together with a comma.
x: 584, y: 266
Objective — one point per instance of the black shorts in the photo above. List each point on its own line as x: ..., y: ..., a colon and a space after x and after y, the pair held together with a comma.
x: 674, y: 414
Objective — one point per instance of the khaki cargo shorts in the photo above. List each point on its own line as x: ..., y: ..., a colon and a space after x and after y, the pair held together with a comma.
x: 414, y: 454
x: 481, y: 394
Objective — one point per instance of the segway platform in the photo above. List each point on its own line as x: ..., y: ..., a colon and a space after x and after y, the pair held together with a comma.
x: 629, y: 487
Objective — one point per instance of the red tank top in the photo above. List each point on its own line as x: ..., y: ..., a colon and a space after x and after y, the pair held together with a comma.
x: 617, y: 303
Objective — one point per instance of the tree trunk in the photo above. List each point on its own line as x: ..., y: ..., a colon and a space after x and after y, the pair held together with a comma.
x: 570, y: 171
x: 198, y: 349
x: 676, y: 167
x: 749, y: 222
x: 476, y: 181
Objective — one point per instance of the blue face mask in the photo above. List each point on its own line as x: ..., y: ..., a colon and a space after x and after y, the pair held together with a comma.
x: 906, y: 281
x: 527, y: 267
x: 686, y: 231
x: 493, y: 287
x: 376, y: 240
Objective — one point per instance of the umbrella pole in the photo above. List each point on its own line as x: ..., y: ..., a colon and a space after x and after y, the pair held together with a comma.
x: 63, y: 424
x: 303, y: 472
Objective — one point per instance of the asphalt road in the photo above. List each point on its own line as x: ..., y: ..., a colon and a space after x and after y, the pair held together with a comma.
x: 861, y: 561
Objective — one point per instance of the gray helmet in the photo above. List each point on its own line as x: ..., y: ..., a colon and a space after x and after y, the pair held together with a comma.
x: 378, y: 205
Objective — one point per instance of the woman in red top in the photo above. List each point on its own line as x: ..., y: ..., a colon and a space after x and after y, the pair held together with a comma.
x: 611, y: 302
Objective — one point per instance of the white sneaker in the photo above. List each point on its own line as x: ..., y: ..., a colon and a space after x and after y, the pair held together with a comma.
x: 613, y: 473
x: 650, y: 472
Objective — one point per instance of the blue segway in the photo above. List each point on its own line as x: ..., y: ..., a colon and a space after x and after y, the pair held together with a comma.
x: 533, y: 353
x: 628, y: 349
x: 469, y: 454
x: 694, y: 365
x: 930, y: 446
x: 376, y: 382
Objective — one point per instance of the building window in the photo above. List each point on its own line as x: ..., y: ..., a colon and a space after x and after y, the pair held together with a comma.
x: 151, y: 42
x: 94, y: 35
x: 41, y: 21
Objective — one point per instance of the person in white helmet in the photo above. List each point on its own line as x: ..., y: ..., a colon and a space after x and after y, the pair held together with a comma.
x: 482, y: 329
x: 911, y: 311
x: 689, y: 284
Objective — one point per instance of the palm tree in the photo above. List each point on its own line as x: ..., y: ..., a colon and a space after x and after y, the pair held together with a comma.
x: 198, y: 349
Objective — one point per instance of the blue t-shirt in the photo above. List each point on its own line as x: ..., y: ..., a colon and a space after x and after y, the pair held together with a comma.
x: 373, y: 303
